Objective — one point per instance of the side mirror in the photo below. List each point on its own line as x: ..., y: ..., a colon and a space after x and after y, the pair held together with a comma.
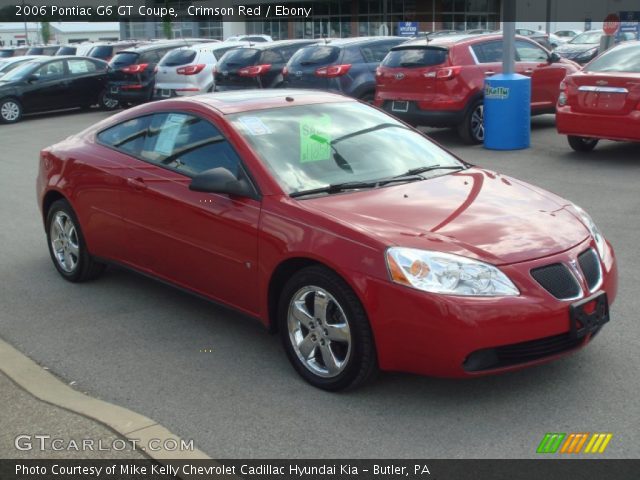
x: 221, y: 180
x: 554, y: 57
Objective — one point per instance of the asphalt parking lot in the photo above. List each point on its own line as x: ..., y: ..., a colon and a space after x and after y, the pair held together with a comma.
x: 137, y: 343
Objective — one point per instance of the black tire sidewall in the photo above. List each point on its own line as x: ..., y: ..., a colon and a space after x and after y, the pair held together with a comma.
x: 582, y: 144
x: 362, y: 347
x: 464, y: 128
x: 17, y: 102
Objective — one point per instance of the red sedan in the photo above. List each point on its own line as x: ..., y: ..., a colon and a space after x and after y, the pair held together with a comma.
x: 363, y: 243
x: 603, y: 100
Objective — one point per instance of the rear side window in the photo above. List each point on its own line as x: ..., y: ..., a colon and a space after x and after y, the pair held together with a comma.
x: 271, y: 56
x: 123, y: 59
x: 80, y: 67
x: 489, y: 52
x: 178, y: 57
x: 621, y: 59
x: 219, y: 52
x: 415, y: 57
x: 35, y: 51
x: 375, y: 52
x: 66, y: 51
x: 316, y: 55
x: 129, y: 137
x: 101, y: 51
x: 188, y: 144
x: 241, y: 57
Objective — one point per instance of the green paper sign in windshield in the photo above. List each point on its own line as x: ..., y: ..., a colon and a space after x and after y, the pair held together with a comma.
x: 315, y: 138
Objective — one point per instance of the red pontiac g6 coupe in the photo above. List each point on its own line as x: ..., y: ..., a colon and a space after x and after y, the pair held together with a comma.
x: 363, y: 243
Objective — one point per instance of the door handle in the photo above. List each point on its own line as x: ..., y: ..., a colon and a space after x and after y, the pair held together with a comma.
x: 136, y: 183
x: 488, y: 73
x: 528, y: 71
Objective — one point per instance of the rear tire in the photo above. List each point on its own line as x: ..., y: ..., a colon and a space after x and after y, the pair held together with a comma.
x: 325, y: 331
x: 67, y: 247
x: 106, y: 102
x: 471, y: 130
x: 10, y: 110
x: 582, y: 144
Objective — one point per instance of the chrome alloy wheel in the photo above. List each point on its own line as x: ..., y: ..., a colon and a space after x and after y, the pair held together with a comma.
x: 477, y: 123
x: 10, y: 111
x: 319, y: 331
x: 64, y: 242
x: 109, y: 103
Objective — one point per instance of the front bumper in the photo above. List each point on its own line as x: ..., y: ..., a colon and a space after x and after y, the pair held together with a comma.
x: 610, y: 127
x: 436, y: 335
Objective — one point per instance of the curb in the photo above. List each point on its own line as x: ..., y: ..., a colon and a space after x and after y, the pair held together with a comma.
x: 46, y: 387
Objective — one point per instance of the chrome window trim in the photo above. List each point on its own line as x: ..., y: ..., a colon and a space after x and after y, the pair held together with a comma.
x: 590, y: 88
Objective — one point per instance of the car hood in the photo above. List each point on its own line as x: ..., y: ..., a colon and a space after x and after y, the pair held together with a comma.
x: 475, y: 213
x: 577, y: 48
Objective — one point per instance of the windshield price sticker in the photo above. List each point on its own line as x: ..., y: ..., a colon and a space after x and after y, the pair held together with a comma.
x: 170, y: 130
x: 254, y: 126
x: 315, y: 139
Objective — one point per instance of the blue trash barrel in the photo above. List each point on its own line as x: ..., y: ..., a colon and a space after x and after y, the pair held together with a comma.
x: 507, y: 112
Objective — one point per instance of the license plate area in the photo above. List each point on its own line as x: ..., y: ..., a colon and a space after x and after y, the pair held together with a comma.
x: 588, y: 315
x: 114, y: 89
x: 165, y: 93
x: 400, y: 106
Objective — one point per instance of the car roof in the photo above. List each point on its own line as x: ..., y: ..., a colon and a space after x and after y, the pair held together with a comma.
x: 259, y: 99
x: 277, y: 43
x: 344, y: 42
x: 450, y: 40
x: 154, y: 46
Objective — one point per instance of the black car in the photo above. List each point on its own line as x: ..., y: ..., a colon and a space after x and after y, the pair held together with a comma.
x: 345, y: 65
x: 132, y: 72
x: 106, y: 51
x: 256, y: 66
x: 53, y: 83
x: 43, y: 50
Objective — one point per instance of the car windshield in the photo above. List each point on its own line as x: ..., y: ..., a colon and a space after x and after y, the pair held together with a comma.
x: 309, y: 147
x: 620, y: 59
x: 587, y: 37
x: 19, y: 72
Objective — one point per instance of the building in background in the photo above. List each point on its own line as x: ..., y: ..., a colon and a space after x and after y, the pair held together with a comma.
x: 77, y: 32
x: 14, y: 34
x: 347, y: 18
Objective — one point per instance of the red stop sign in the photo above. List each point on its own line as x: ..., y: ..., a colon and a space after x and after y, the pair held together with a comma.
x: 611, y: 24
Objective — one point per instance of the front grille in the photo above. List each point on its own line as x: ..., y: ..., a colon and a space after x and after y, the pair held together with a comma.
x: 557, y: 280
x: 508, y: 355
x: 590, y: 265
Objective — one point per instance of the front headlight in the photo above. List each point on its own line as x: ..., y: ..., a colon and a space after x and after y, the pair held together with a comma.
x: 445, y: 273
x: 593, y: 230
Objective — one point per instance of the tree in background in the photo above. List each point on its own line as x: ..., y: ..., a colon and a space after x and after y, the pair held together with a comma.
x: 166, y: 23
x: 45, y: 32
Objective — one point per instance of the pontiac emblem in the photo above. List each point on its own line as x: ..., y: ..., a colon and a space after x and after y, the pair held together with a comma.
x: 602, y: 82
x: 399, y: 76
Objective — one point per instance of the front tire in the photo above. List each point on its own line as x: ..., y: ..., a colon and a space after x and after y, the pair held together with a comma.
x: 10, y: 110
x: 67, y: 247
x: 582, y: 144
x: 471, y: 130
x: 325, y: 331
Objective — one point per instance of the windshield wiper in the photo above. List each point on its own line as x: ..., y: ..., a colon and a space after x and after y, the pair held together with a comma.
x: 419, y: 170
x: 341, y: 187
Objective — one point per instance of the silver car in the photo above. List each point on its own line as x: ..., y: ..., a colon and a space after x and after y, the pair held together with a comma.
x: 188, y: 71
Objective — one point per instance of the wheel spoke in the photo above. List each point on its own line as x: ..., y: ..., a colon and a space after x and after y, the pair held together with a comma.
x: 307, y: 347
x: 329, y: 359
x: 68, y: 260
x: 338, y: 333
x: 320, y: 303
x: 301, y: 314
x: 59, y: 225
x: 74, y: 249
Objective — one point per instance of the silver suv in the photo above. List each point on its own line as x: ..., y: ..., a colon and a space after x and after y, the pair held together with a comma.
x: 189, y: 70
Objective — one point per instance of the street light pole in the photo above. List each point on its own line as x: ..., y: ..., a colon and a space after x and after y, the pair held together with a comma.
x: 508, y: 37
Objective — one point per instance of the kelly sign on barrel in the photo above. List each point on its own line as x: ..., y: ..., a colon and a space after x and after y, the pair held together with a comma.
x: 611, y: 24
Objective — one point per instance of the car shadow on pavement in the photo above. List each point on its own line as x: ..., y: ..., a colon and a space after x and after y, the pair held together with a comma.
x: 607, y: 153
